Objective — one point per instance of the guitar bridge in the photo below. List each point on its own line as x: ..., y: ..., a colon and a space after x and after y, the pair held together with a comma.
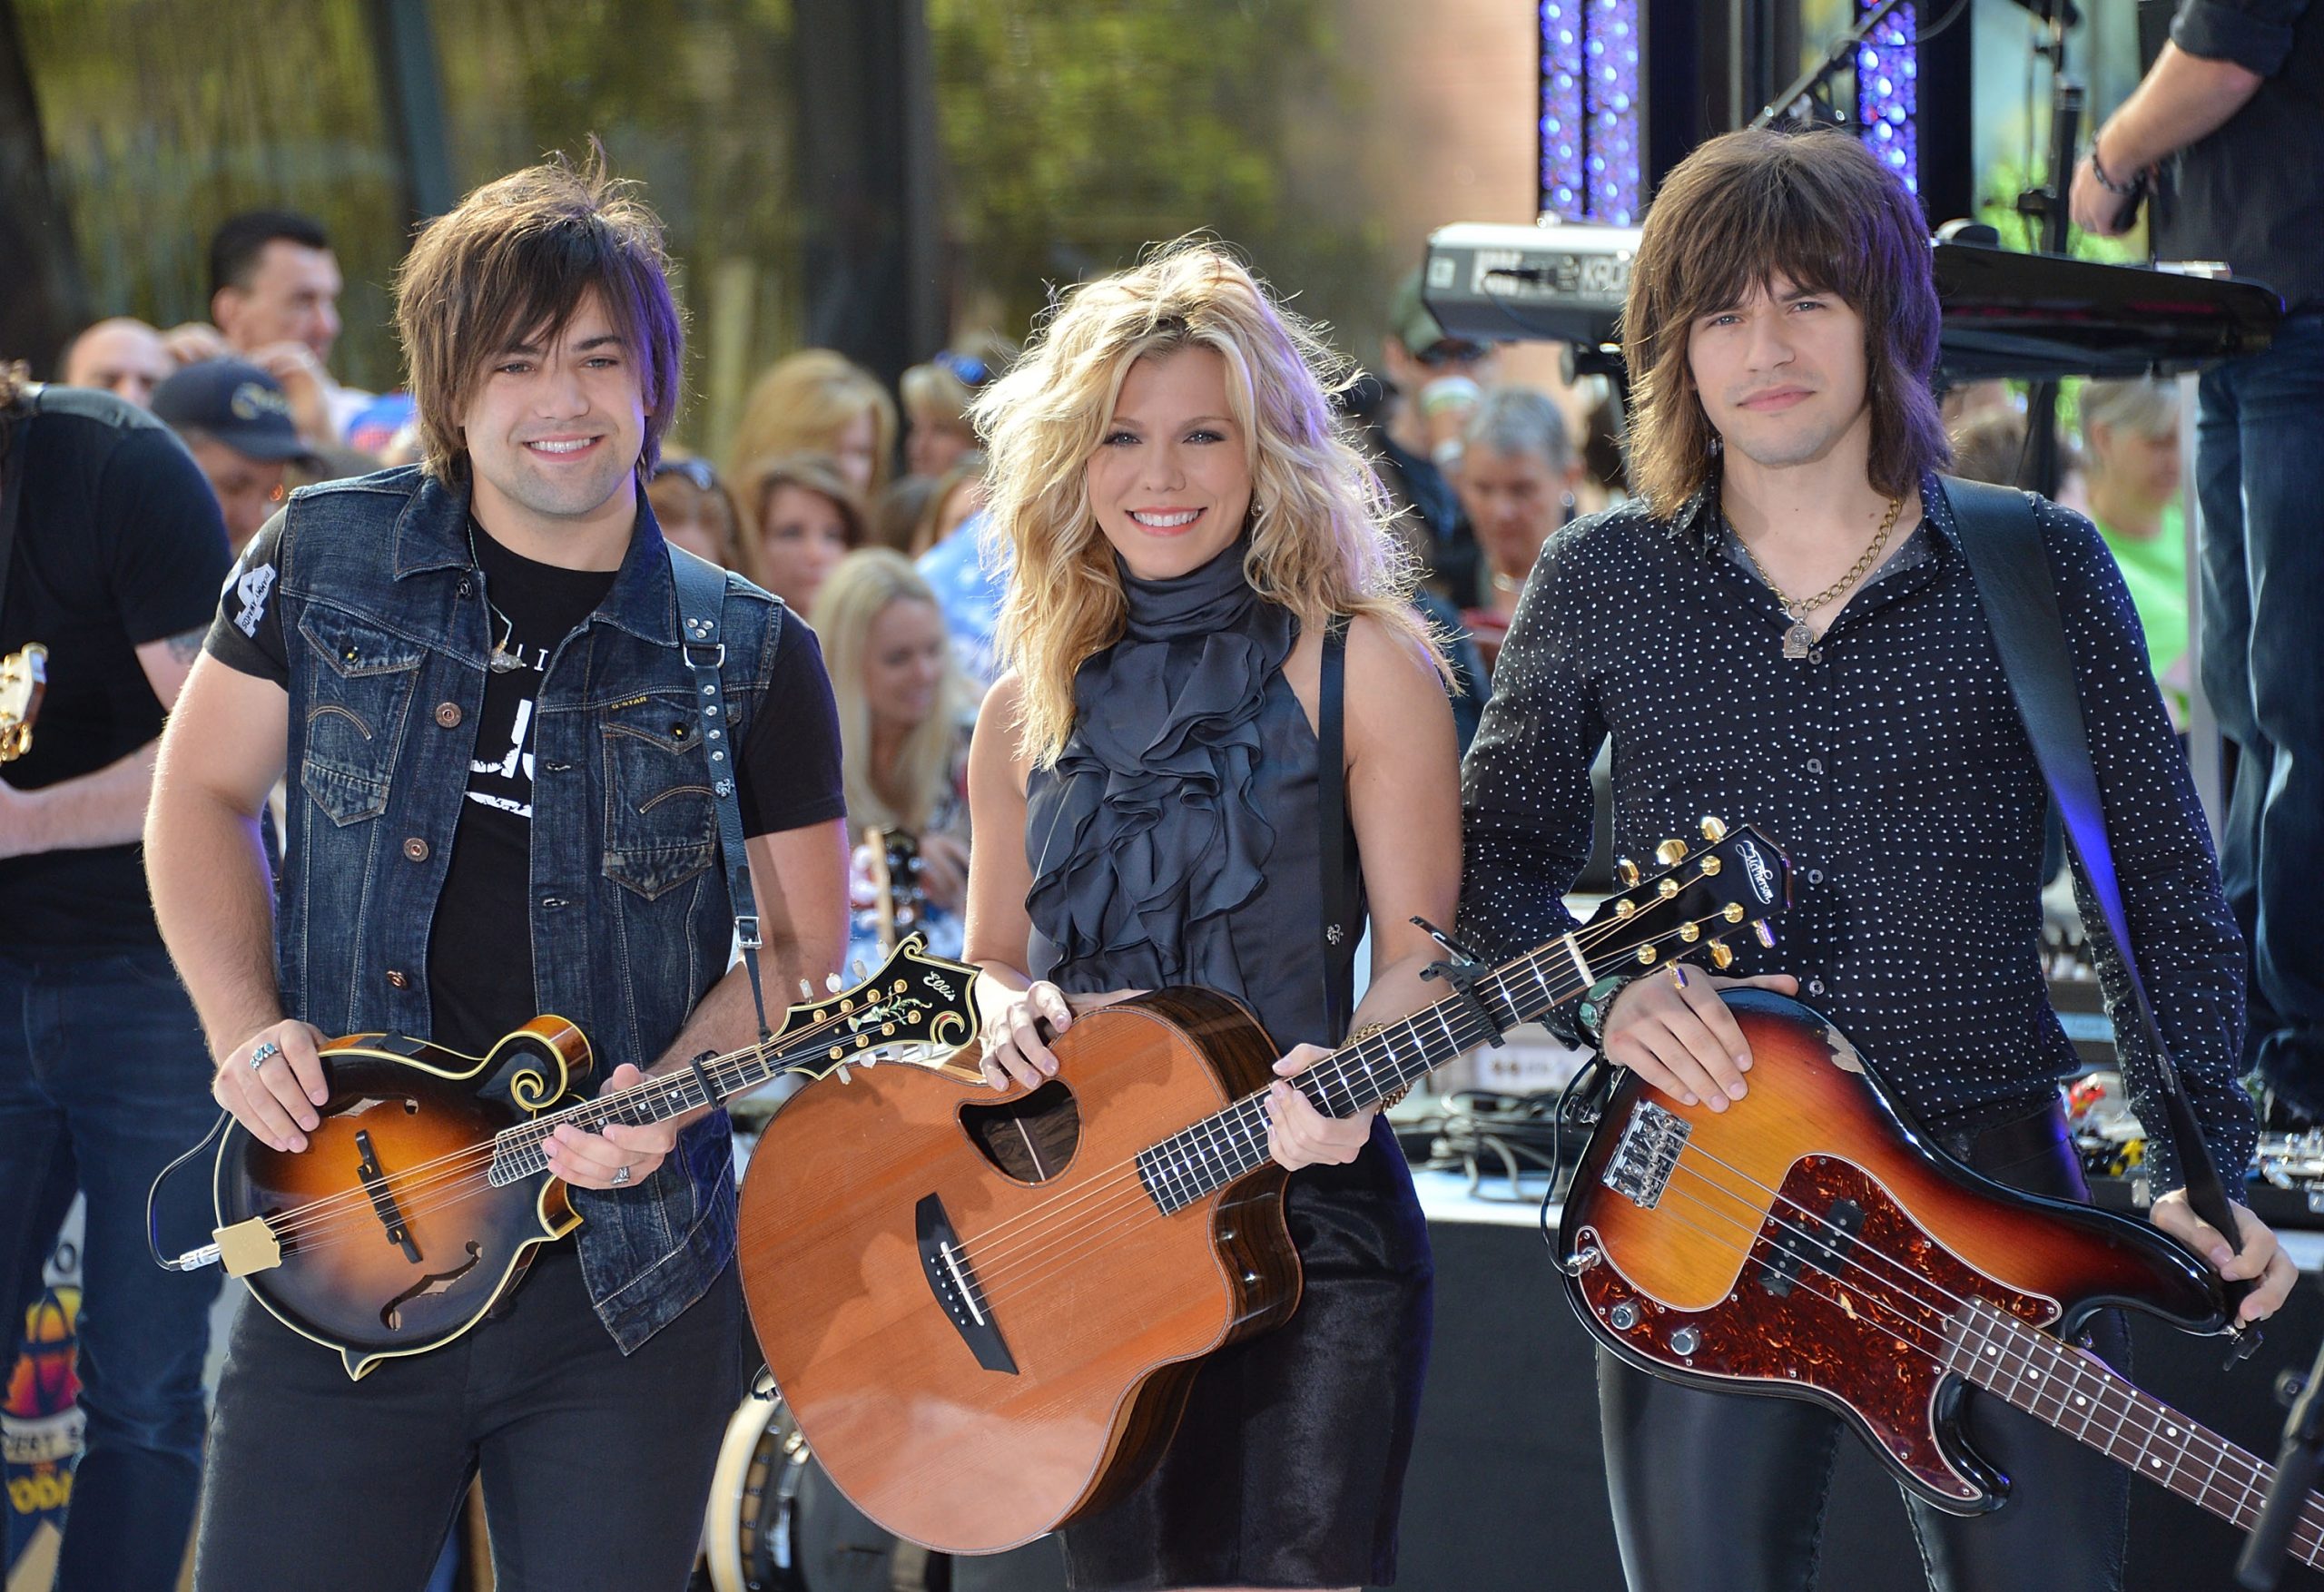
x: 1647, y: 1154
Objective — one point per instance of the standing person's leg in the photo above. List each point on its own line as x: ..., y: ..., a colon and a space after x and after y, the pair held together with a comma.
x: 116, y: 1045
x: 597, y: 1465
x: 317, y: 1481
x: 1713, y: 1492
x: 2225, y: 588
x: 35, y: 1157
x: 2281, y: 396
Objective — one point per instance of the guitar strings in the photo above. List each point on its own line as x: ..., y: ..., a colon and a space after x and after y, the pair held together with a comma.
x: 2085, y: 1373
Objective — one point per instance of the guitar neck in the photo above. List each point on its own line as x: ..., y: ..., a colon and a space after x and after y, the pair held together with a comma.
x: 1224, y: 1146
x: 2076, y: 1393
x: 518, y: 1152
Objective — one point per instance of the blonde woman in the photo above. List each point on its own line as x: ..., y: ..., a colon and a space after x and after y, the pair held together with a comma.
x: 1186, y: 520
x: 901, y: 705
x: 817, y: 401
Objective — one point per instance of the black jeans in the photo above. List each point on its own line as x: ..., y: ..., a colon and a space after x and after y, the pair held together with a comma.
x: 595, y: 1468
x: 1723, y: 1492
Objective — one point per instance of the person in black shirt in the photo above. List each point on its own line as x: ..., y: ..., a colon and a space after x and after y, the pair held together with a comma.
x: 1782, y: 629
x: 117, y: 555
x: 502, y: 802
x: 2234, y: 110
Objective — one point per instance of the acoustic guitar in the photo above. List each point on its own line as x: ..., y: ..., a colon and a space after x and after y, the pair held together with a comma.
x: 985, y: 1308
x: 1807, y: 1243
x: 420, y: 1197
x: 24, y: 681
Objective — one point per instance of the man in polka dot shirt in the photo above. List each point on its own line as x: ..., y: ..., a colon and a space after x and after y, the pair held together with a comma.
x: 1781, y: 628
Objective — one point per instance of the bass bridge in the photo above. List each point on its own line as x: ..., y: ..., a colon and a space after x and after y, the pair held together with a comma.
x: 1647, y: 1154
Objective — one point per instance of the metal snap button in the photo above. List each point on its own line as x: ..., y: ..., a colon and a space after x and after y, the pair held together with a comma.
x: 447, y: 714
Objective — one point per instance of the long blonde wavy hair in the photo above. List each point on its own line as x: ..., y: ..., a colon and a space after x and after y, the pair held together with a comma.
x: 858, y: 592
x: 1320, y: 543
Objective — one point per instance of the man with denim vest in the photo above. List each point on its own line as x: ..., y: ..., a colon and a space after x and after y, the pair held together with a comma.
x: 499, y: 804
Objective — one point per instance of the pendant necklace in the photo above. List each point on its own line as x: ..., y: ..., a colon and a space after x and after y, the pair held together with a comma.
x: 1798, y: 638
x: 502, y: 661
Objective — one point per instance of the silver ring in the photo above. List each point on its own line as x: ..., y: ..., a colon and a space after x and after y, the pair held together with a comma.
x: 621, y: 1176
x: 265, y: 1053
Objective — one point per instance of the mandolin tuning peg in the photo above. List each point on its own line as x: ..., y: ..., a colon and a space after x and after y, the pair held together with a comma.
x: 1669, y: 853
x: 1626, y: 870
x: 806, y: 990
x: 1645, y: 955
x: 1722, y: 955
x: 831, y: 983
x: 861, y: 972
x: 1714, y: 830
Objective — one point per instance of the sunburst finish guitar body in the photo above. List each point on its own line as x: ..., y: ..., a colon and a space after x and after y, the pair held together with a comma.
x: 1807, y: 1243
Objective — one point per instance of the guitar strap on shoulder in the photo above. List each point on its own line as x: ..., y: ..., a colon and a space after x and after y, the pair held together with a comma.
x: 16, y: 421
x: 701, y: 601
x: 2003, y: 543
x: 1339, y: 926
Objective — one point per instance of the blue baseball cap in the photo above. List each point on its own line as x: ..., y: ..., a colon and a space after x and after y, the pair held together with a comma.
x: 234, y: 401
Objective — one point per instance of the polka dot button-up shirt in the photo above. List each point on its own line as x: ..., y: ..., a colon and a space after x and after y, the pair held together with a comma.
x: 1891, y: 766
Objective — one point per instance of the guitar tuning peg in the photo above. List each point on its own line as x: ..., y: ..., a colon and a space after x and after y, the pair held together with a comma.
x: 1765, y: 934
x: 1669, y: 853
x: 1713, y: 830
x: 1626, y: 870
x: 1722, y: 955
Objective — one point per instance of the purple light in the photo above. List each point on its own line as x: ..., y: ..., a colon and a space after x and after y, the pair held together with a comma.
x: 1589, y: 120
x: 1888, y: 97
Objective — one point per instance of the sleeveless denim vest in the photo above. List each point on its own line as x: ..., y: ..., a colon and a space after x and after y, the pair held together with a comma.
x: 384, y: 620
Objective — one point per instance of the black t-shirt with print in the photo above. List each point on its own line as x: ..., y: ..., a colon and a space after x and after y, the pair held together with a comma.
x: 480, y: 950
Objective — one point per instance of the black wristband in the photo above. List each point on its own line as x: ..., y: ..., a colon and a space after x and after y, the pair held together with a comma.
x: 2119, y: 190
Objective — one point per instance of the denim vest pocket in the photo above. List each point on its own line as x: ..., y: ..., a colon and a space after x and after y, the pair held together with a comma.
x: 355, y: 712
x: 661, y: 827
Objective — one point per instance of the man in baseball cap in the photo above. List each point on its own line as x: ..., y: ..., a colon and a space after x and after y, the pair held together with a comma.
x: 236, y: 421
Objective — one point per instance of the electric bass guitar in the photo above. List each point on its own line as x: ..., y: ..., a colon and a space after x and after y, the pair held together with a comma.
x: 420, y: 1197
x: 1805, y: 1243
x: 24, y: 680
x: 985, y: 1308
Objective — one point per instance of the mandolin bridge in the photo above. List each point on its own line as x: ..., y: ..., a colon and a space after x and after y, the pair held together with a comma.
x: 1647, y: 1154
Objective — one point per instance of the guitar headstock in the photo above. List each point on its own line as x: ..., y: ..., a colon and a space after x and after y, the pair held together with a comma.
x: 1729, y: 882
x: 915, y: 1000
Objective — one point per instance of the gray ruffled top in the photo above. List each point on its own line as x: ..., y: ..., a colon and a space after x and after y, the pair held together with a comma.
x: 1175, y: 839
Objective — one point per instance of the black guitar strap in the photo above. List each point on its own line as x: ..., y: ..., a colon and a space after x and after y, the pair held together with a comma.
x: 1340, y: 925
x: 2019, y: 587
x: 701, y: 601
x: 15, y: 422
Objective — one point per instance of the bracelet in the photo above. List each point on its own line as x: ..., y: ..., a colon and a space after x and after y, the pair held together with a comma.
x: 2119, y: 190
x: 1599, y: 1001
x: 1366, y: 1032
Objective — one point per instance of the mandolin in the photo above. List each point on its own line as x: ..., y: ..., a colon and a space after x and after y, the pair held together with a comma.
x: 1807, y: 1243
x: 425, y: 1189
x: 985, y: 1308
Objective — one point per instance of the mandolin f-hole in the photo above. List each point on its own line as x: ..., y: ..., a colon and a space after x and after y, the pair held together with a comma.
x: 1031, y: 1139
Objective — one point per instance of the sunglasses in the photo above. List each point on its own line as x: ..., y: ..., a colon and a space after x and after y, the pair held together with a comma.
x: 697, y: 471
x: 1450, y: 351
x: 972, y: 372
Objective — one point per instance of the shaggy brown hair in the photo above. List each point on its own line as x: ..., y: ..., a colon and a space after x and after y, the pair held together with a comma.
x: 510, y: 265
x: 1817, y: 209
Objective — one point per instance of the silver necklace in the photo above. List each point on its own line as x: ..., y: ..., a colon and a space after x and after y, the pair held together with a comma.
x: 501, y: 661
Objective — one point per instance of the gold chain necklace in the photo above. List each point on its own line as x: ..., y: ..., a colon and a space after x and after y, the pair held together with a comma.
x: 1798, y: 638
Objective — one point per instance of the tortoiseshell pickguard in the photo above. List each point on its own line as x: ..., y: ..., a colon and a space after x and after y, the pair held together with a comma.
x: 1827, y: 1335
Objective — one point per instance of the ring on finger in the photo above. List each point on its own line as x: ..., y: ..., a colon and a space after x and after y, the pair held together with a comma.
x: 265, y: 1053
x: 1678, y: 976
x: 621, y: 1176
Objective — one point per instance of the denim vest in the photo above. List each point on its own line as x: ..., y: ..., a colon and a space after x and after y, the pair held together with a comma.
x: 384, y: 620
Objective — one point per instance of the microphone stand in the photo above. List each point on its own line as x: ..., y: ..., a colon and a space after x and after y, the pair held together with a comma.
x: 2048, y: 204
x: 2262, y: 1560
x: 1842, y: 50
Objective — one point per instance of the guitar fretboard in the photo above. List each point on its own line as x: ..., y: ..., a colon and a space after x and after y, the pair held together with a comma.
x: 1223, y: 1146
x: 2075, y: 1393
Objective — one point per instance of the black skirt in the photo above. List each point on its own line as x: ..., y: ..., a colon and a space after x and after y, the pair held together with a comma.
x: 1288, y: 1468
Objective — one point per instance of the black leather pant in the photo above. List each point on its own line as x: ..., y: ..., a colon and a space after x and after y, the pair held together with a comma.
x: 1723, y: 1492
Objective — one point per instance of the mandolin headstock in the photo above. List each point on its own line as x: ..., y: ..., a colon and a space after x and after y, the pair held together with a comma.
x: 916, y: 1001
x: 1731, y: 882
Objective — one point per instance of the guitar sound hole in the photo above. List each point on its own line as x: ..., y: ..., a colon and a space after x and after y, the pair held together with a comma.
x: 1030, y: 1139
